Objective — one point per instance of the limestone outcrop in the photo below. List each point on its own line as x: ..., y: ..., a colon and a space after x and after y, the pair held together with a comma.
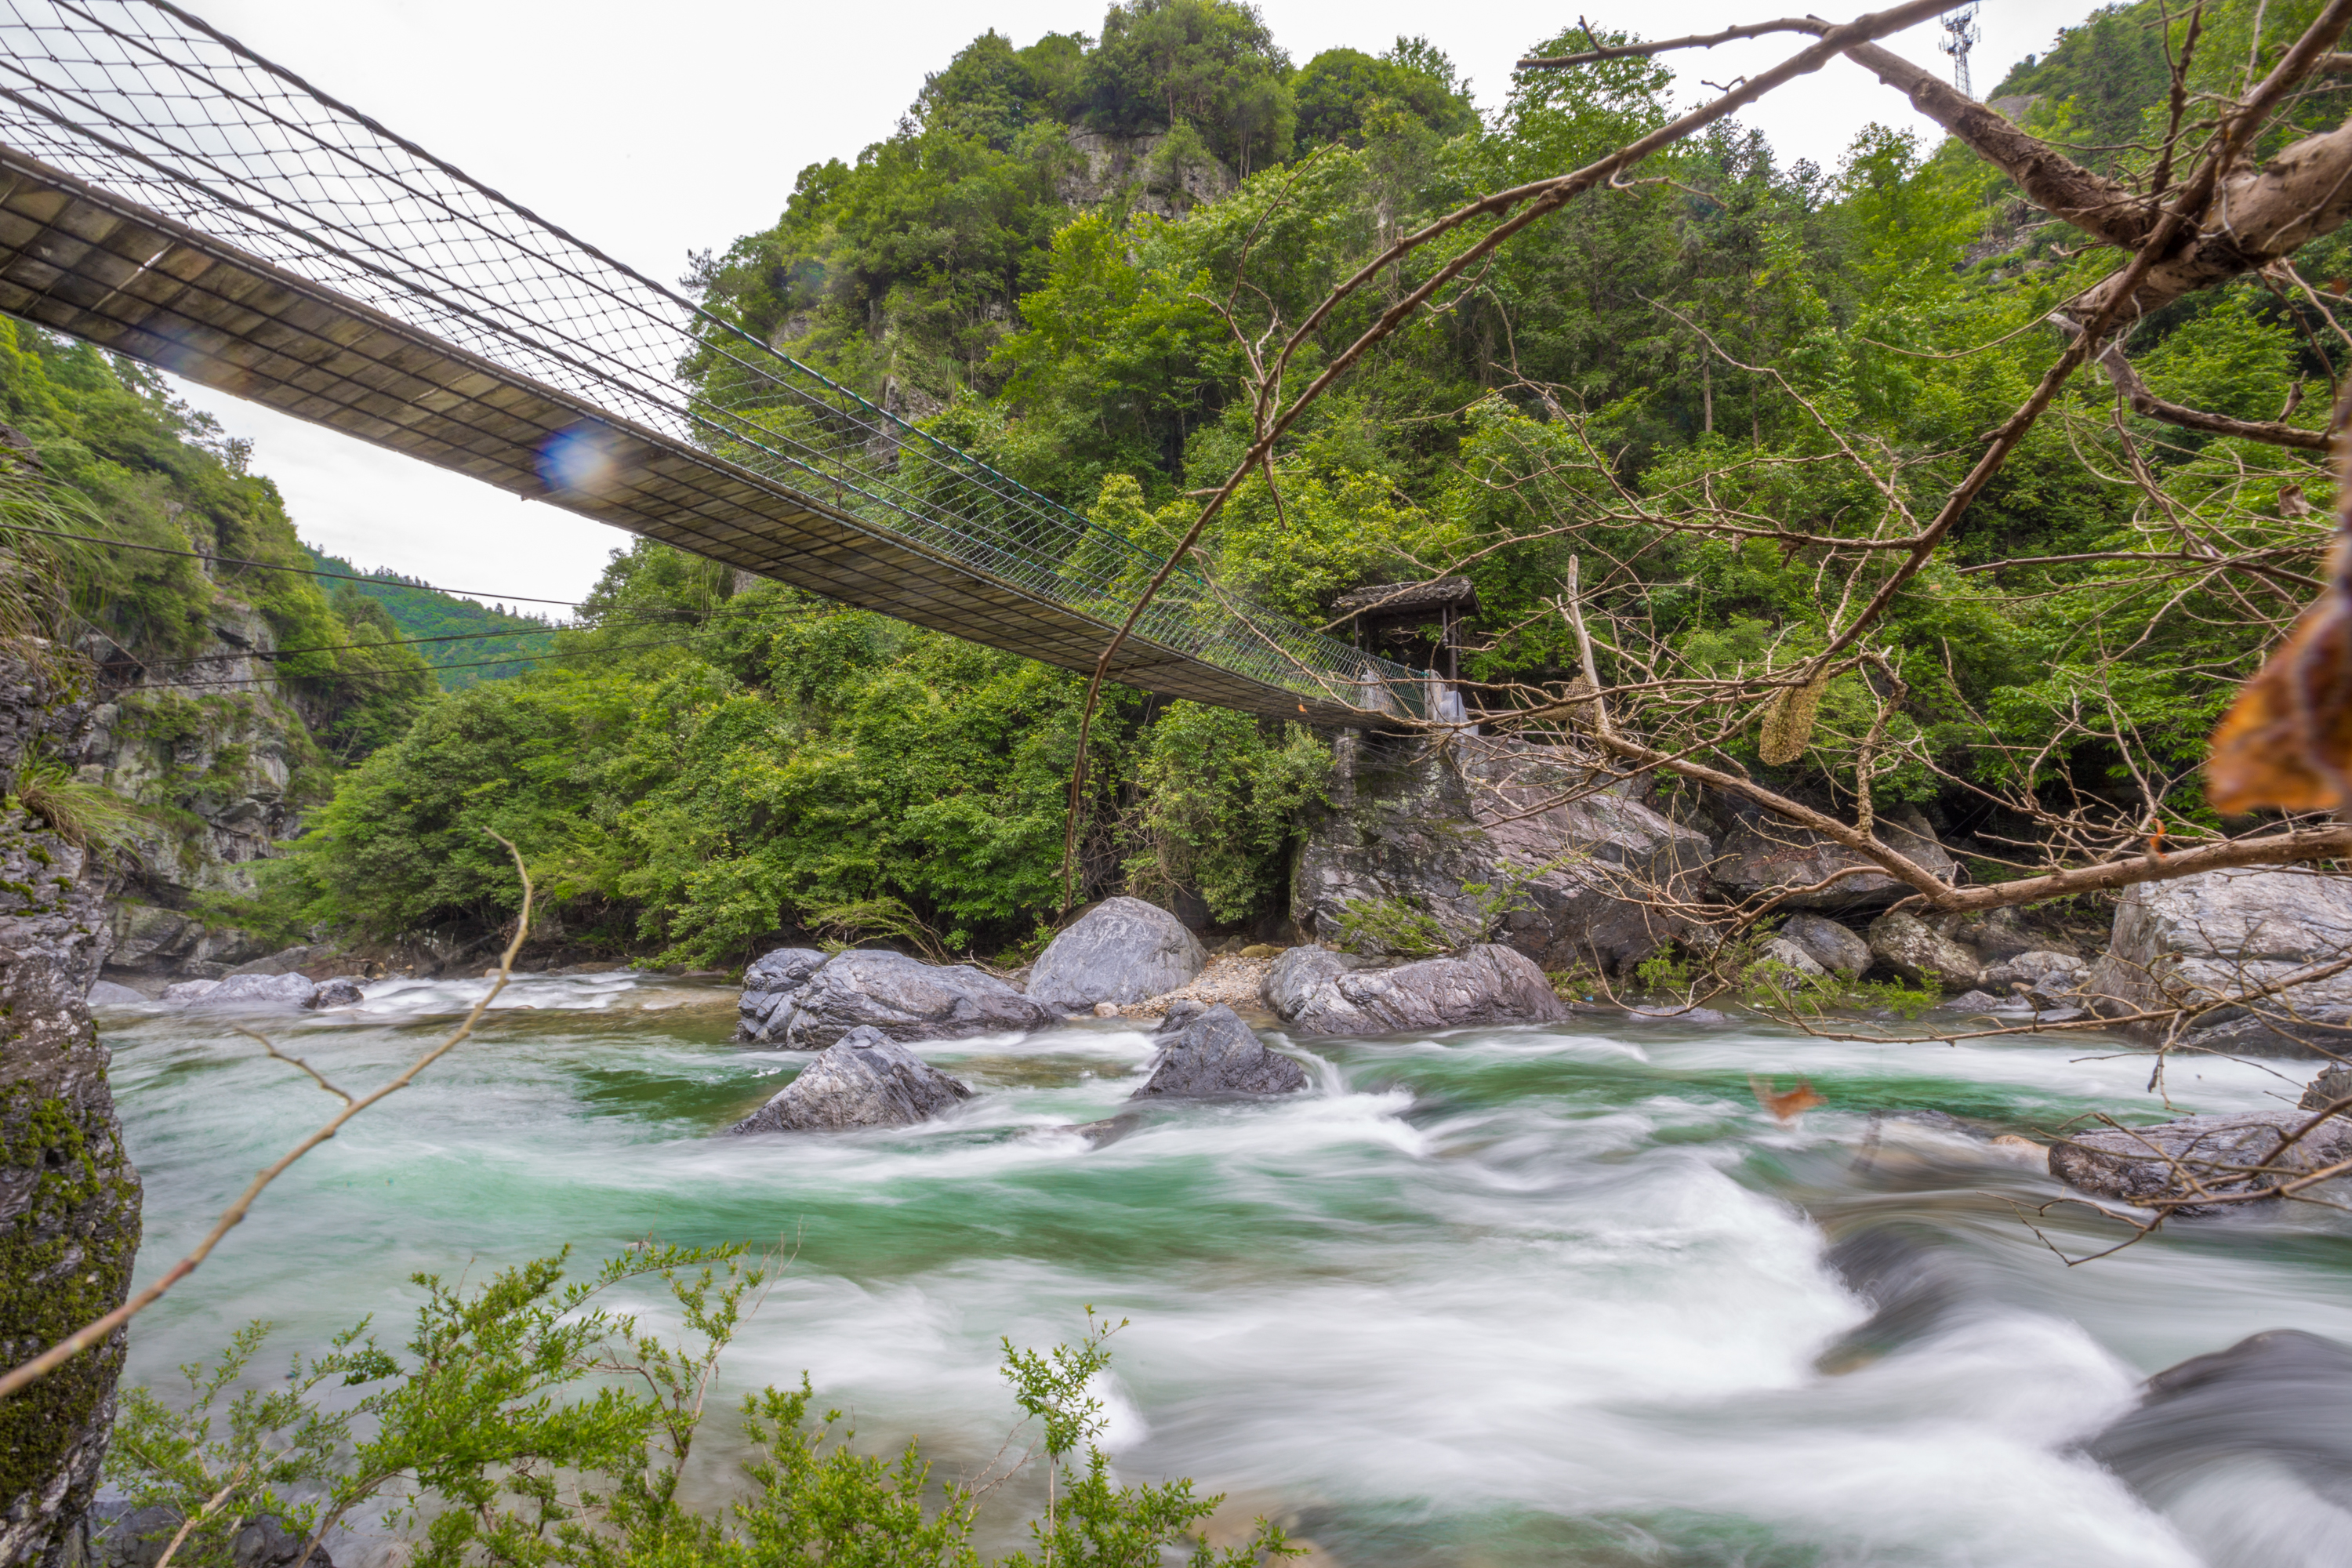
x: 1123, y: 950
x: 1208, y: 1053
x: 1317, y: 990
x: 70, y: 1200
x: 1567, y: 881
x: 864, y: 1079
x: 805, y: 1000
x: 2221, y: 935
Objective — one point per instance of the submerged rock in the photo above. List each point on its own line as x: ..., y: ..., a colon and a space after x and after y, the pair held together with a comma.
x: 1835, y: 948
x: 2276, y: 1400
x: 115, y: 1535
x: 1122, y: 950
x: 1208, y: 1053
x: 2233, y: 1153
x: 1917, y: 952
x: 342, y: 991
x: 2219, y: 934
x: 864, y: 1079
x: 803, y: 1000
x: 1318, y: 992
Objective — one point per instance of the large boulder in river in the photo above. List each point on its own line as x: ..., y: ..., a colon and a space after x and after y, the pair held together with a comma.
x: 244, y: 991
x: 1504, y: 840
x: 1318, y: 992
x: 1760, y: 853
x: 1122, y: 950
x: 864, y: 1079
x: 2222, y: 934
x: 1208, y: 1053
x: 1836, y: 948
x: 2256, y: 1442
x: 1920, y: 953
x: 803, y: 1000
x: 2237, y: 1153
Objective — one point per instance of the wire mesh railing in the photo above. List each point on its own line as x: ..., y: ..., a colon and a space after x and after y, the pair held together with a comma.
x: 141, y: 98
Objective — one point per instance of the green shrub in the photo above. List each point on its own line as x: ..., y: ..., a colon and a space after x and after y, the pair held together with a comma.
x: 532, y: 1425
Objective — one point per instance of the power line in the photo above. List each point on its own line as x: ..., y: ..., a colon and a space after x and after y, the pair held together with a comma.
x: 389, y: 674
x: 625, y: 617
x: 274, y: 566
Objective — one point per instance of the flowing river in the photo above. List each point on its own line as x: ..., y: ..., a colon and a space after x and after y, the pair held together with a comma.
x: 1507, y: 1296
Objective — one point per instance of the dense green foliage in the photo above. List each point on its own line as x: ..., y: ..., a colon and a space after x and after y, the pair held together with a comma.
x: 465, y: 642
x: 148, y: 472
x: 1725, y: 341
x: 534, y: 1426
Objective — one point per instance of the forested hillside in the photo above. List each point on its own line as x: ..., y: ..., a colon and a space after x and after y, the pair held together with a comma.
x: 465, y: 642
x: 1067, y: 259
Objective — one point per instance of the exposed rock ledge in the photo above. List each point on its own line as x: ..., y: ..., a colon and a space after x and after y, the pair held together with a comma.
x: 805, y: 1000
x: 1318, y: 992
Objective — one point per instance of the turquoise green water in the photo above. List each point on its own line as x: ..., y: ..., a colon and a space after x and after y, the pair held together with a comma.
x: 1506, y: 1296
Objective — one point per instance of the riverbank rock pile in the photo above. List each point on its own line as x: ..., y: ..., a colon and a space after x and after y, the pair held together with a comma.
x: 801, y: 999
x: 864, y: 1079
x: 2224, y: 933
x: 1208, y: 1053
x: 1317, y: 990
x: 1121, y: 951
x: 1230, y: 980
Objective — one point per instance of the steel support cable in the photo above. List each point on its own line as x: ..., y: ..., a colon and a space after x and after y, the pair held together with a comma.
x: 982, y: 510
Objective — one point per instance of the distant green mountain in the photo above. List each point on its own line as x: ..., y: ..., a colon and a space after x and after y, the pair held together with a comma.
x: 482, y: 642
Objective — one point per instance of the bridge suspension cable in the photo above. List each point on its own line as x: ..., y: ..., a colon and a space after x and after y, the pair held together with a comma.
x: 168, y: 193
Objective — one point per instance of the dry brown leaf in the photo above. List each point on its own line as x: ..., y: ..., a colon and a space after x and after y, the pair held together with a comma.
x: 2287, y: 742
x: 1785, y: 1104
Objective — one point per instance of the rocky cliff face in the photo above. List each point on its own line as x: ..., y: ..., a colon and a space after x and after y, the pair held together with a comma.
x: 69, y: 1197
x: 1568, y: 881
x: 219, y: 760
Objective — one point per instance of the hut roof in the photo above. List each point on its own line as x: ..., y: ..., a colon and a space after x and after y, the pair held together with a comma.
x: 1385, y: 599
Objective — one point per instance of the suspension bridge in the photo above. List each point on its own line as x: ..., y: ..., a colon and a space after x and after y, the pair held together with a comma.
x: 169, y: 195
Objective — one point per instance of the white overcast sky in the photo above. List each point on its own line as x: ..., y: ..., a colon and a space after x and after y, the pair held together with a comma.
x: 654, y: 128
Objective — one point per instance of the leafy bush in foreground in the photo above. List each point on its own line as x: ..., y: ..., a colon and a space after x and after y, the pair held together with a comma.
x: 530, y: 1425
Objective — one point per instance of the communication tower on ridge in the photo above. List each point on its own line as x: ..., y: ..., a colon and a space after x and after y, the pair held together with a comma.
x: 1960, y: 35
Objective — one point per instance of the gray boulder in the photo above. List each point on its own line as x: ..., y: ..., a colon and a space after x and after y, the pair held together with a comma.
x: 1836, y: 948
x: 2220, y: 934
x: 1208, y: 1053
x: 803, y: 1000
x: 115, y: 1535
x: 1122, y: 950
x: 864, y: 1079
x: 1318, y: 992
x: 244, y: 991
x: 2045, y: 979
x: 1760, y: 854
x: 1572, y: 876
x: 342, y: 991
x: 107, y: 993
x: 2333, y: 1085
x: 2220, y: 1152
x: 285, y: 961
x: 1921, y: 954
x: 1780, y: 950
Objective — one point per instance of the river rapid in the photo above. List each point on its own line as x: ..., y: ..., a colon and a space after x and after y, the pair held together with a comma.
x: 1507, y: 1296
